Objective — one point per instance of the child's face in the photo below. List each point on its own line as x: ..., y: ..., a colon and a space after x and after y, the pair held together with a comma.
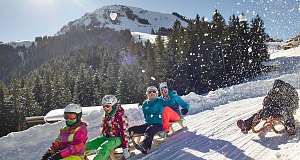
x: 151, y: 94
x: 107, y: 108
x: 70, y: 117
x: 164, y: 91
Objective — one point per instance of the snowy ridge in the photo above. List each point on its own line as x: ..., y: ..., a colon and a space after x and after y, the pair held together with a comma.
x: 212, y: 132
x: 101, y: 18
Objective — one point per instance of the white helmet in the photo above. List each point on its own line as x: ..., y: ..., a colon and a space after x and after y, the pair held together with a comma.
x: 109, y: 99
x: 152, y: 88
x: 163, y: 85
x: 74, y: 108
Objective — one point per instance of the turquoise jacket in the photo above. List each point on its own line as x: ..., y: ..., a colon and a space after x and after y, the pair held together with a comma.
x: 152, y: 110
x: 174, y: 102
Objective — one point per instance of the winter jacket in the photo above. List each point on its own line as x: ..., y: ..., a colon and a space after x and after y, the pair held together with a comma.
x: 152, y: 110
x: 71, y: 140
x: 114, y: 124
x: 282, y: 95
x: 174, y: 102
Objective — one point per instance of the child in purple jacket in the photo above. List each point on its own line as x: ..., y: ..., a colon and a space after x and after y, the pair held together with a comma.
x: 71, y: 141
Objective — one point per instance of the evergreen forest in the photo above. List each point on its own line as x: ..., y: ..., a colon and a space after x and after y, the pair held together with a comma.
x: 82, y: 66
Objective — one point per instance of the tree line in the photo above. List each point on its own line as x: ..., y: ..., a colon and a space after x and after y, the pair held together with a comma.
x: 84, y: 65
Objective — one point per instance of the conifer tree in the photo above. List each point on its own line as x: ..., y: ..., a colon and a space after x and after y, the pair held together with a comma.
x: 259, y: 52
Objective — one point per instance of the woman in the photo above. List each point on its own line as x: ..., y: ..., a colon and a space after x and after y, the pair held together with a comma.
x: 171, y: 101
x: 71, y: 141
x: 113, y: 132
x: 152, y: 109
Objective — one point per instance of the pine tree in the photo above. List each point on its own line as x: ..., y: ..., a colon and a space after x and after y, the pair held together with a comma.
x: 150, y: 65
x: 17, y: 110
x: 218, y: 35
x: 259, y: 52
x: 244, y: 45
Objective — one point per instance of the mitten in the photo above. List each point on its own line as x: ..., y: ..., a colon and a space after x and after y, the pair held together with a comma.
x: 184, y: 111
x: 170, y: 83
x: 57, y: 156
x: 126, y: 153
x: 46, y: 156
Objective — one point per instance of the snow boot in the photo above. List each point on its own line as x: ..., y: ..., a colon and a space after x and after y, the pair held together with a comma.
x: 291, y: 131
x: 162, y: 134
x: 141, y: 148
x: 242, y: 126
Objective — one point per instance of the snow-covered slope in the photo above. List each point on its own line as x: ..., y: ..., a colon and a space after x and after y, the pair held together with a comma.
x: 212, y: 132
x: 124, y: 17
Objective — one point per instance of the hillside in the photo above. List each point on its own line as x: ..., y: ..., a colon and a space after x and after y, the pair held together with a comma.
x: 212, y: 132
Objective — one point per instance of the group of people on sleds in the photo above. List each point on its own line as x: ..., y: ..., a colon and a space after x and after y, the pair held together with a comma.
x: 72, y: 144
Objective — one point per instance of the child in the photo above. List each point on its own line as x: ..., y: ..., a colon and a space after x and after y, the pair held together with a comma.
x: 113, y: 132
x: 171, y: 101
x: 282, y: 100
x: 152, y: 110
x: 71, y: 141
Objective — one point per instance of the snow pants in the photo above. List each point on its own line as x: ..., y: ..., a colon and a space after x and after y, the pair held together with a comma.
x: 148, y: 130
x: 169, y: 115
x: 287, y: 115
x: 103, y: 145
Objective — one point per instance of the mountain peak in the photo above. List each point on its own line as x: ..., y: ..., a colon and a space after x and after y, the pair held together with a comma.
x: 122, y: 17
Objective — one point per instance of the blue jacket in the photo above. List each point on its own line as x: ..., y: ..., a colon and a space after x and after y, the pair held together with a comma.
x: 174, y: 102
x: 152, y: 110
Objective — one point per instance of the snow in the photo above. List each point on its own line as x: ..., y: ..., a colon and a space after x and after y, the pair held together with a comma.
x: 21, y: 43
x: 212, y: 132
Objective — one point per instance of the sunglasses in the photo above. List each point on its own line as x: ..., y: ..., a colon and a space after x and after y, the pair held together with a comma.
x: 106, y: 106
x: 70, y: 116
x: 151, y: 91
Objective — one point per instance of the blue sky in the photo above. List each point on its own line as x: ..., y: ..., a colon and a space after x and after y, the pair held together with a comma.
x: 27, y: 19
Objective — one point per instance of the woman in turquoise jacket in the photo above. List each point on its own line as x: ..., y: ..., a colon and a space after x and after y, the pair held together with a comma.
x: 152, y: 109
x: 171, y: 101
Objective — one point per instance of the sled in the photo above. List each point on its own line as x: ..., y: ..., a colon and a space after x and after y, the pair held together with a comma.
x: 138, y: 137
x: 116, y: 154
x: 276, y: 123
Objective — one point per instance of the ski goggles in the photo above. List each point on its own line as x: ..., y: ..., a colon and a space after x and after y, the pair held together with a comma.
x: 107, y: 106
x: 70, y: 116
x: 151, y: 91
x: 164, y: 89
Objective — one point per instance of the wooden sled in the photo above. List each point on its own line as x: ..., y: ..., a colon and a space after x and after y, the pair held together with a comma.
x: 139, y: 137
x: 117, y: 154
x: 272, y: 122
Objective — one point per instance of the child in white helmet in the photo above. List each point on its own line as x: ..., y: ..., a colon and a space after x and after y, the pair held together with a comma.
x: 71, y: 141
x: 113, y: 132
x: 152, y: 109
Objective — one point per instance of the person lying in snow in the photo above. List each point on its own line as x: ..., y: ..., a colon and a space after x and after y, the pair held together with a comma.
x: 281, y: 100
x: 71, y: 141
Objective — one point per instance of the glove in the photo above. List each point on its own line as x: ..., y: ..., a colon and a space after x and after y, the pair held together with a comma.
x: 171, y: 84
x: 184, y: 111
x: 126, y: 153
x: 46, y: 156
x: 57, y: 156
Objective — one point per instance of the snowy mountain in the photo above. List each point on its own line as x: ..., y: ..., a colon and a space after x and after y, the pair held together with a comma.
x: 122, y: 17
x: 212, y: 132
